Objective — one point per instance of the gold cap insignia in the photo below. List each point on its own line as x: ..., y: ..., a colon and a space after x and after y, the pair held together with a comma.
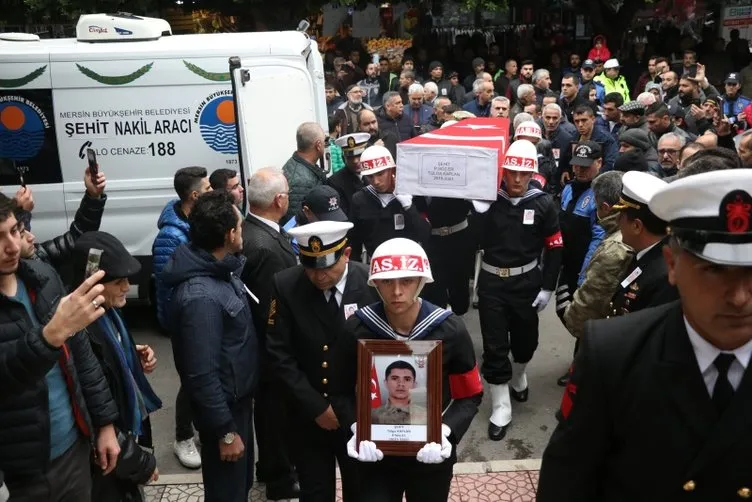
x: 351, y: 142
x: 315, y: 244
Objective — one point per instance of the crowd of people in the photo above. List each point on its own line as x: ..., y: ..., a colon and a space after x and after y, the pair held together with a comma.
x: 611, y: 207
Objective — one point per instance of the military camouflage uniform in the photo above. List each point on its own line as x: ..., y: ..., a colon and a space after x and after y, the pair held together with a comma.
x: 609, y: 262
x: 389, y: 414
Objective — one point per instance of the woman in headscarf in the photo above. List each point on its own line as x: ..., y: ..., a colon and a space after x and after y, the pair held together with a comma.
x: 124, y: 364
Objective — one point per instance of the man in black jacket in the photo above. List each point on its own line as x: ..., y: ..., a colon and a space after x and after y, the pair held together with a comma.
x: 314, y: 358
x: 669, y: 389
x: 54, y: 396
x: 214, y: 343
x: 645, y: 283
x: 58, y: 250
x: 267, y: 251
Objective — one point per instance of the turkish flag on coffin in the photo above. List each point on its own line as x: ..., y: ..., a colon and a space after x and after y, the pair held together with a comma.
x: 459, y: 161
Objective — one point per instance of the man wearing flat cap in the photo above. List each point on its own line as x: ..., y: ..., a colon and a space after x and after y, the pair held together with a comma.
x: 645, y: 283
x: 348, y: 181
x: 315, y: 358
x: 659, y: 402
x: 633, y: 116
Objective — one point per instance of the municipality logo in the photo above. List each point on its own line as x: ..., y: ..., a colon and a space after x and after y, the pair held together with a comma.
x: 22, y: 128
x: 216, y: 119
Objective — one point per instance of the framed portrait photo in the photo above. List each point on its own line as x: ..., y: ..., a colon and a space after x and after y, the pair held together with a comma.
x: 399, y: 394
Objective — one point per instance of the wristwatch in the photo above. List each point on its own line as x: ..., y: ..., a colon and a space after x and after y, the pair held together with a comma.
x: 228, y: 438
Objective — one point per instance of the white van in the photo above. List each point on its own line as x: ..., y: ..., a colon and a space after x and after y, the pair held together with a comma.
x: 148, y: 103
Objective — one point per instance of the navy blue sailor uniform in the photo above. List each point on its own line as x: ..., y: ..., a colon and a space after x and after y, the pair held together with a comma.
x: 450, y: 249
x: 462, y: 393
x: 379, y: 217
x: 514, y: 235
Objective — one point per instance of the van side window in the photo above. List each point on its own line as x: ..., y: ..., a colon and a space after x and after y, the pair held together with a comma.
x: 28, y: 146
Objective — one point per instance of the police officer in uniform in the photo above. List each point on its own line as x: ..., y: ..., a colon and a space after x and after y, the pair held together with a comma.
x: 659, y: 403
x: 377, y: 212
x: 399, y: 270
x: 645, y: 283
x: 348, y: 181
x: 521, y: 224
x: 579, y: 225
x: 314, y: 358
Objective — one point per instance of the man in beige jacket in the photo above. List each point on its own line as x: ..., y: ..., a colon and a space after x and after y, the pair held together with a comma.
x: 609, y: 261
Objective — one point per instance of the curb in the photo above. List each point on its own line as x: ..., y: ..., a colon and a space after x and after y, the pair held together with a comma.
x: 532, y: 464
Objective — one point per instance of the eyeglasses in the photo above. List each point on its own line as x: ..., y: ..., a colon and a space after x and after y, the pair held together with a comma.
x: 668, y: 151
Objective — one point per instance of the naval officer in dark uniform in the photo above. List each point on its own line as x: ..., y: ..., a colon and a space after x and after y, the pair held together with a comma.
x: 313, y: 356
x: 659, y: 404
x: 348, y: 181
x: 645, y: 283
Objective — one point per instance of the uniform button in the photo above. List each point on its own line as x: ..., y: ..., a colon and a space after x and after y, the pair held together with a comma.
x: 325, y: 364
x: 325, y: 347
x: 324, y: 381
x: 326, y: 395
x: 689, y: 486
x: 744, y: 493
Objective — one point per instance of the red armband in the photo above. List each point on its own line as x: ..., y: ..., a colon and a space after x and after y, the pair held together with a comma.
x: 466, y: 384
x: 567, y: 400
x: 554, y: 241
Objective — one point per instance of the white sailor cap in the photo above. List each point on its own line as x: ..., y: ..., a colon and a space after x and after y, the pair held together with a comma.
x: 528, y: 129
x: 321, y: 243
x: 710, y: 214
x: 353, y: 144
x: 637, y: 190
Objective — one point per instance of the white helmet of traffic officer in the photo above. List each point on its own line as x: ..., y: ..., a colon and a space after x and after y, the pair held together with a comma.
x: 375, y: 159
x: 400, y: 258
x: 521, y: 156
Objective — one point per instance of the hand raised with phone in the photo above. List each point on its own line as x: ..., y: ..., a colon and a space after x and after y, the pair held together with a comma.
x: 76, y: 311
x: 95, y: 183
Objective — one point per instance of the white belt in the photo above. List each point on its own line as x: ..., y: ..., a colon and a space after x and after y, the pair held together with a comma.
x: 509, y: 272
x: 444, y: 231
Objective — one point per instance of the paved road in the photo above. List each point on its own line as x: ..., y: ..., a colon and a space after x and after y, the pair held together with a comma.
x: 527, y: 437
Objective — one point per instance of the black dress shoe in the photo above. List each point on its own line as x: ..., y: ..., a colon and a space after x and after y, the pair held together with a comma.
x: 283, y: 493
x: 563, y: 381
x: 520, y: 396
x: 496, y: 433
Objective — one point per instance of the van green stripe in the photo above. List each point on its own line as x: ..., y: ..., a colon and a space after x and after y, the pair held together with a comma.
x: 118, y: 80
x: 20, y: 82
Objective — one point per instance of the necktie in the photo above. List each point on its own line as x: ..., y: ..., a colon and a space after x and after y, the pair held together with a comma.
x: 723, y: 391
x: 332, y: 304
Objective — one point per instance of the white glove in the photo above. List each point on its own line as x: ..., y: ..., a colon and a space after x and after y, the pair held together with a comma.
x: 4, y: 495
x: 481, y: 206
x: 542, y: 299
x: 405, y: 200
x: 366, y: 452
x: 433, y: 453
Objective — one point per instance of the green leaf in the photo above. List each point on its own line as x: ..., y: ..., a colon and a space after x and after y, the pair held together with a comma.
x: 22, y: 81
x: 214, y: 77
x: 116, y: 80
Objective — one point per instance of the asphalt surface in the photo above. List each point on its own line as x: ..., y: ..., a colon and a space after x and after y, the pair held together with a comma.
x: 527, y: 436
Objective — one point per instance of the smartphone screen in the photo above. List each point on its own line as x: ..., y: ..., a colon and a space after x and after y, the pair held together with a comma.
x: 92, y: 262
x: 692, y: 71
x: 91, y: 155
